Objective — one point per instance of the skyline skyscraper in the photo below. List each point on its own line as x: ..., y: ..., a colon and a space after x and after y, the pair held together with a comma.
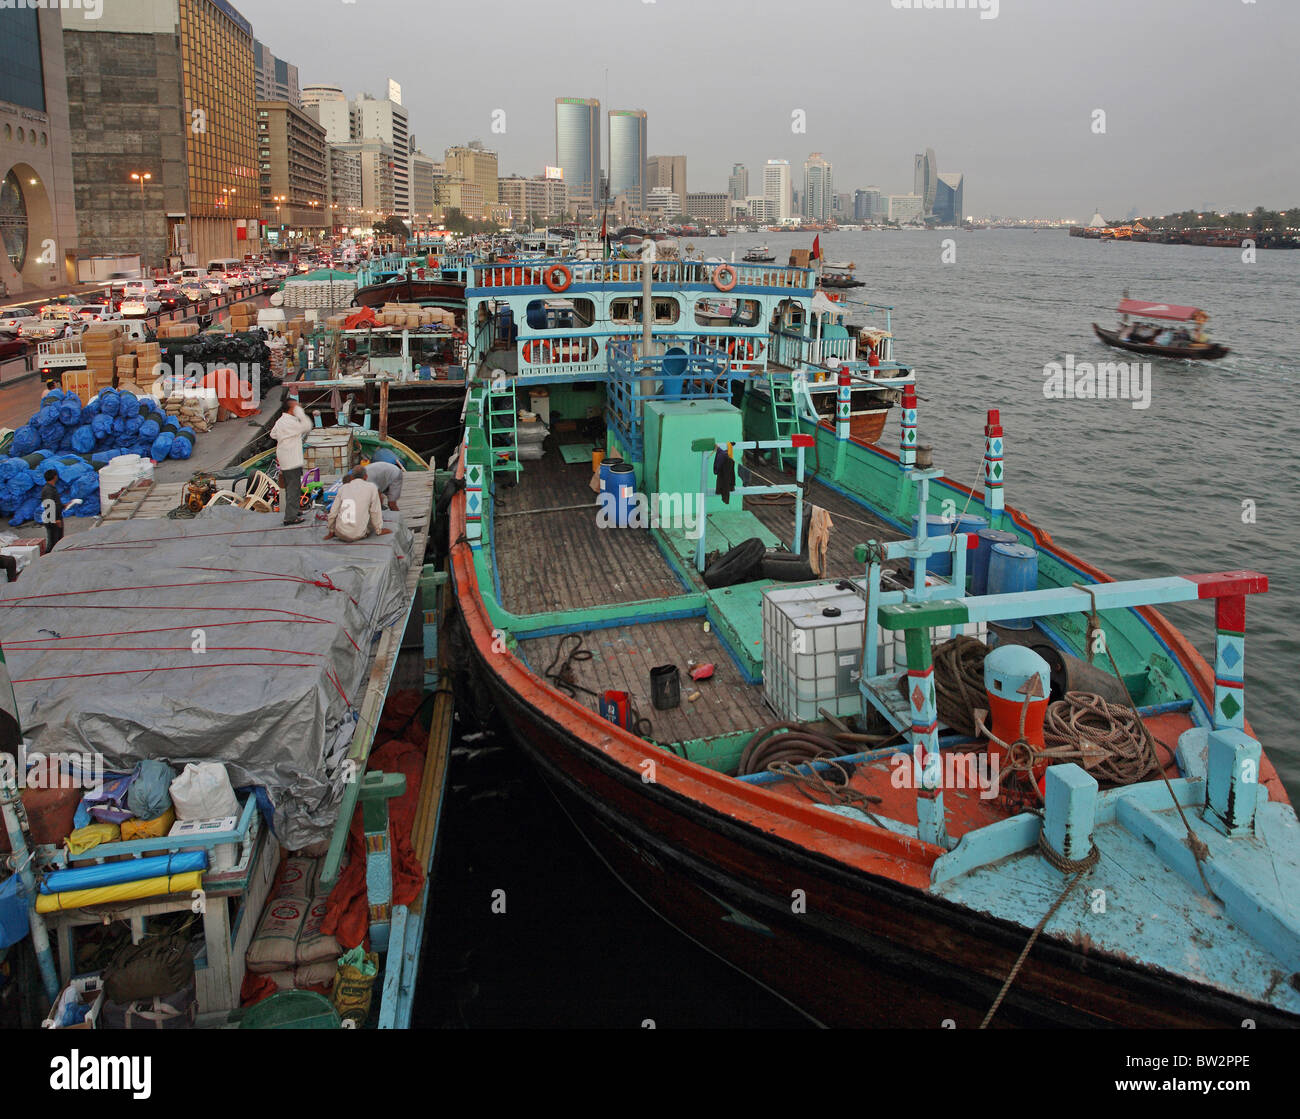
x: 949, y: 205
x: 925, y: 173
x: 776, y: 187
x: 627, y: 155
x: 738, y: 183
x: 818, y: 189
x: 577, y: 146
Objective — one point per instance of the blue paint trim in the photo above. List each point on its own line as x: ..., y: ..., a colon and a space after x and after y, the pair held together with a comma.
x: 588, y: 625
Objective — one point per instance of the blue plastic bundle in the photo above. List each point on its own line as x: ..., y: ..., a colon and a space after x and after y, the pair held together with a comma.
x: 149, y: 430
x: 109, y: 402
x: 70, y: 410
x: 52, y: 397
x: 19, y: 487
x: 162, y: 446
x: 119, y: 425
x: 172, y: 424
x: 28, y: 510
x: 83, y: 440
x: 181, y: 448
x: 85, y: 484
x: 131, y: 425
x: 26, y: 440
x: 11, y: 466
x: 101, y: 426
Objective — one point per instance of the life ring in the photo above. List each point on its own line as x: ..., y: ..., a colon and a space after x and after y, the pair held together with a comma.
x: 549, y: 277
x: 537, y: 352
x: 730, y: 271
x: 741, y: 349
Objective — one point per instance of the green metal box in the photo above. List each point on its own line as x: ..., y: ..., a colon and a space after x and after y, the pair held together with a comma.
x: 669, y: 428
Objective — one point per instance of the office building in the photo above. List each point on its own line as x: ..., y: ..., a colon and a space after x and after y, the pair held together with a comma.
x: 577, y: 147
x: 387, y: 123
x: 709, y: 206
x: 474, y: 164
x: 949, y: 205
x: 327, y: 105
x: 343, y: 187
x: 293, y: 170
x: 664, y: 202
x: 925, y: 181
x: 532, y: 201
x: 277, y: 80
x: 776, y: 188
x: 627, y: 155
x: 425, y: 171
x: 738, y: 182
x: 867, y: 205
x: 38, y: 224
x: 164, y: 88
x: 818, y: 192
x: 668, y: 171
x: 905, y: 208
x: 762, y: 210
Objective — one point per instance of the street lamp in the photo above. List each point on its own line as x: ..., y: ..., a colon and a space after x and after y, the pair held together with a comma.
x: 142, y: 177
x: 278, y: 199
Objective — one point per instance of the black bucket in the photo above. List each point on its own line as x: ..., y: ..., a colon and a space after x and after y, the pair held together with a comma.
x: 665, y: 687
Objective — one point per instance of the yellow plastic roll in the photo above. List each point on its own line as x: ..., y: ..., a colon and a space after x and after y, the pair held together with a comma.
x: 127, y: 891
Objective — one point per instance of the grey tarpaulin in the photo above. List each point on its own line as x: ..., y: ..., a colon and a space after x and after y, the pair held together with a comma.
x: 236, y: 651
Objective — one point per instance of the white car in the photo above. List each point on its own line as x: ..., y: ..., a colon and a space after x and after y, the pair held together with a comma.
x: 53, y: 324
x: 216, y: 285
x: 268, y: 275
x: 14, y: 319
x: 140, y: 304
x: 98, y: 312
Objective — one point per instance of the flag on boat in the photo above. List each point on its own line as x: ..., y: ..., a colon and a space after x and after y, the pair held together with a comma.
x: 817, y: 248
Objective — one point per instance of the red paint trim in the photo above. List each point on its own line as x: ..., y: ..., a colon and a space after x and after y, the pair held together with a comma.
x: 1222, y: 584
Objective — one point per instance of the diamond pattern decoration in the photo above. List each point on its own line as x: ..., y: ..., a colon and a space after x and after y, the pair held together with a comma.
x: 472, y: 504
x: 909, y: 436
x: 1230, y: 654
x: 1229, y: 705
x: 918, y: 697
x: 996, y: 446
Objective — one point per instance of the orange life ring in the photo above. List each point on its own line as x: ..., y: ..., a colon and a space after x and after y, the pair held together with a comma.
x: 549, y: 277
x: 741, y: 349
x: 730, y: 270
x: 537, y: 352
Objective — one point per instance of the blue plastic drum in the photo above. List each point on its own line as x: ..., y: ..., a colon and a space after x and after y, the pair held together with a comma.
x: 1013, y: 568
x: 979, y: 564
x: 941, y: 562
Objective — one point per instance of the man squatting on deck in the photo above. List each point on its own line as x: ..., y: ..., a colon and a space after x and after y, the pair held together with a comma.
x: 287, y: 432
x: 387, y: 477
x: 355, y: 513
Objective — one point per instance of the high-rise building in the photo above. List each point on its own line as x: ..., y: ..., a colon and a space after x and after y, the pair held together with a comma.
x: 818, y: 190
x: 762, y: 210
x: 668, y: 171
x: 776, y: 188
x: 627, y: 155
x: 710, y: 206
x: 292, y: 167
x: 949, y: 205
x: 925, y: 178
x: 38, y: 225
x: 664, y: 202
x: 738, y: 183
x: 474, y: 164
x: 577, y: 147
x: 905, y: 208
x: 343, y: 187
x: 327, y: 105
x: 387, y: 122
x: 532, y: 201
x: 277, y: 80
x: 165, y: 89
x: 867, y: 205
x: 425, y: 171
x: 844, y: 207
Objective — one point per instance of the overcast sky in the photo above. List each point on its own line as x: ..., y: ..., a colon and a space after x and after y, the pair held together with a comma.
x: 1200, y: 96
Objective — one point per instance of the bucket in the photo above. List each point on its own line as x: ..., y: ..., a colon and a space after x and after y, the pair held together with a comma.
x: 936, y: 525
x: 1013, y: 568
x: 665, y: 687
x: 597, y: 457
x: 979, y: 568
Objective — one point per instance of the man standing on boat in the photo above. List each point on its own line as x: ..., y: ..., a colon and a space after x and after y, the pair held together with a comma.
x: 287, y: 432
x: 387, y: 477
x: 355, y: 513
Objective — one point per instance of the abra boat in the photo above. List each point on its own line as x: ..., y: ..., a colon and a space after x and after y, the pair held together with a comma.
x: 1140, y: 337
x: 335, y: 814
x: 776, y: 768
x: 839, y: 276
x: 762, y: 255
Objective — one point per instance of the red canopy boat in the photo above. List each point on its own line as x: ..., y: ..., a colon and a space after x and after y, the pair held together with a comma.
x: 1135, y: 338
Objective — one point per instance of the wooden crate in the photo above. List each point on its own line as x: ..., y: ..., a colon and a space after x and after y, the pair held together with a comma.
x: 80, y: 381
x: 334, y: 452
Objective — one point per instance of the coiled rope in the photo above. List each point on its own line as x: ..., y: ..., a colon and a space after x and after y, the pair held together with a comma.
x: 1082, y: 718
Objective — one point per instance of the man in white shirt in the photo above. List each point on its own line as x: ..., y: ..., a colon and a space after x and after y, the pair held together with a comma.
x: 355, y: 513
x: 387, y: 477
x: 287, y: 432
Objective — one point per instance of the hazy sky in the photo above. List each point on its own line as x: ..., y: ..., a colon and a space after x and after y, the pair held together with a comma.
x: 1200, y: 96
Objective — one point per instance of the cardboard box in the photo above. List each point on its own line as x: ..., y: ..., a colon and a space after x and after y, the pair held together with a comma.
x: 84, y: 989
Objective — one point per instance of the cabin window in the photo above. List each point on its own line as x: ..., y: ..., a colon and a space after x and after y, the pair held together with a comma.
x: 628, y: 310
x: 560, y: 314
x: 722, y: 312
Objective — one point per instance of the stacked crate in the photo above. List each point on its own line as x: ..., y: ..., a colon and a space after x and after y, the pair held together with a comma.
x: 335, y: 452
x: 102, y: 344
x: 243, y: 317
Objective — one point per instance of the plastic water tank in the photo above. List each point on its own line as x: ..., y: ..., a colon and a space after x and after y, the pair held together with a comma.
x: 936, y: 525
x: 1013, y: 568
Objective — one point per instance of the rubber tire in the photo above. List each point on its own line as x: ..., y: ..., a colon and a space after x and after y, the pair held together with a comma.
x: 739, y: 565
x: 786, y: 567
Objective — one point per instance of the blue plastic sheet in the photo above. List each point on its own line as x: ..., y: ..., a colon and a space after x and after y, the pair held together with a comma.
x: 112, y: 874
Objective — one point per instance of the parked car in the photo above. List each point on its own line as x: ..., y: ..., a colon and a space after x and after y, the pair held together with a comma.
x: 139, y: 304
x: 57, y: 322
x: 98, y: 312
x: 216, y: 285
x: 12, y: 319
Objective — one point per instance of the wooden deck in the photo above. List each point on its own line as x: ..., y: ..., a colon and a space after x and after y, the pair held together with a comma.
x: 622, y: 659
x: 553, y: 556
x: 851, y: 523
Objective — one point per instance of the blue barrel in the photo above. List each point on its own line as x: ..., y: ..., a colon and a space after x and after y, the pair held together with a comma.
x: 979, y: 566
x: 1013, y: 568
x: 622, y: 484
x: 383, y: 454
x: 935, y: 525
x: 607, y: 472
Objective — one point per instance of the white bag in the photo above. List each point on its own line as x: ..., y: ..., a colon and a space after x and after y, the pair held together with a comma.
x: 203, y: 792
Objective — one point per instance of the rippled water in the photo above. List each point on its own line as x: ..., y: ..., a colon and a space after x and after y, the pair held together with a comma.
x: 1137, y: 492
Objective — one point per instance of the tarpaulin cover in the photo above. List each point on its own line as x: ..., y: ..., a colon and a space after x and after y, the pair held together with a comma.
x: 214, y: 639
